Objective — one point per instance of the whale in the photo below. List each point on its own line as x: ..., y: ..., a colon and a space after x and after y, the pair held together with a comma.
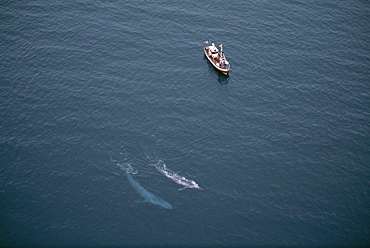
x: 148, y: 196
x: 187, y: 183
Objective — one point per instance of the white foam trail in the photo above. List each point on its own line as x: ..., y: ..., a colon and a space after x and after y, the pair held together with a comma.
x: 162, y: 168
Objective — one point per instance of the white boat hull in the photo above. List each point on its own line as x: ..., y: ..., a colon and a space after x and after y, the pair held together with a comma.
x: 221, y: 67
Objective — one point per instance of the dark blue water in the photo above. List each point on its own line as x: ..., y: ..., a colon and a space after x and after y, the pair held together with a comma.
x: 281, y: 146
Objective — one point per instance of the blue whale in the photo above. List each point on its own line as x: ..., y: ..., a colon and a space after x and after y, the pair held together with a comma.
x: 148, y: 196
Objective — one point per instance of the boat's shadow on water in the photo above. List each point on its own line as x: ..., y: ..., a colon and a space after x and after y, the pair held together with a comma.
x: 221, y: 78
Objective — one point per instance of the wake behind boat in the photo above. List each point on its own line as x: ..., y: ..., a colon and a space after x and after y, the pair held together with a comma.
x: 217, y: 58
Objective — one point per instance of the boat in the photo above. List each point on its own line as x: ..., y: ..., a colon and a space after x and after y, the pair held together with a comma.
x: 217, y: 58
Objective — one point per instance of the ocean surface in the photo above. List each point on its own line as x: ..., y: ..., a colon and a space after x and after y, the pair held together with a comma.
x: 281, y: 146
